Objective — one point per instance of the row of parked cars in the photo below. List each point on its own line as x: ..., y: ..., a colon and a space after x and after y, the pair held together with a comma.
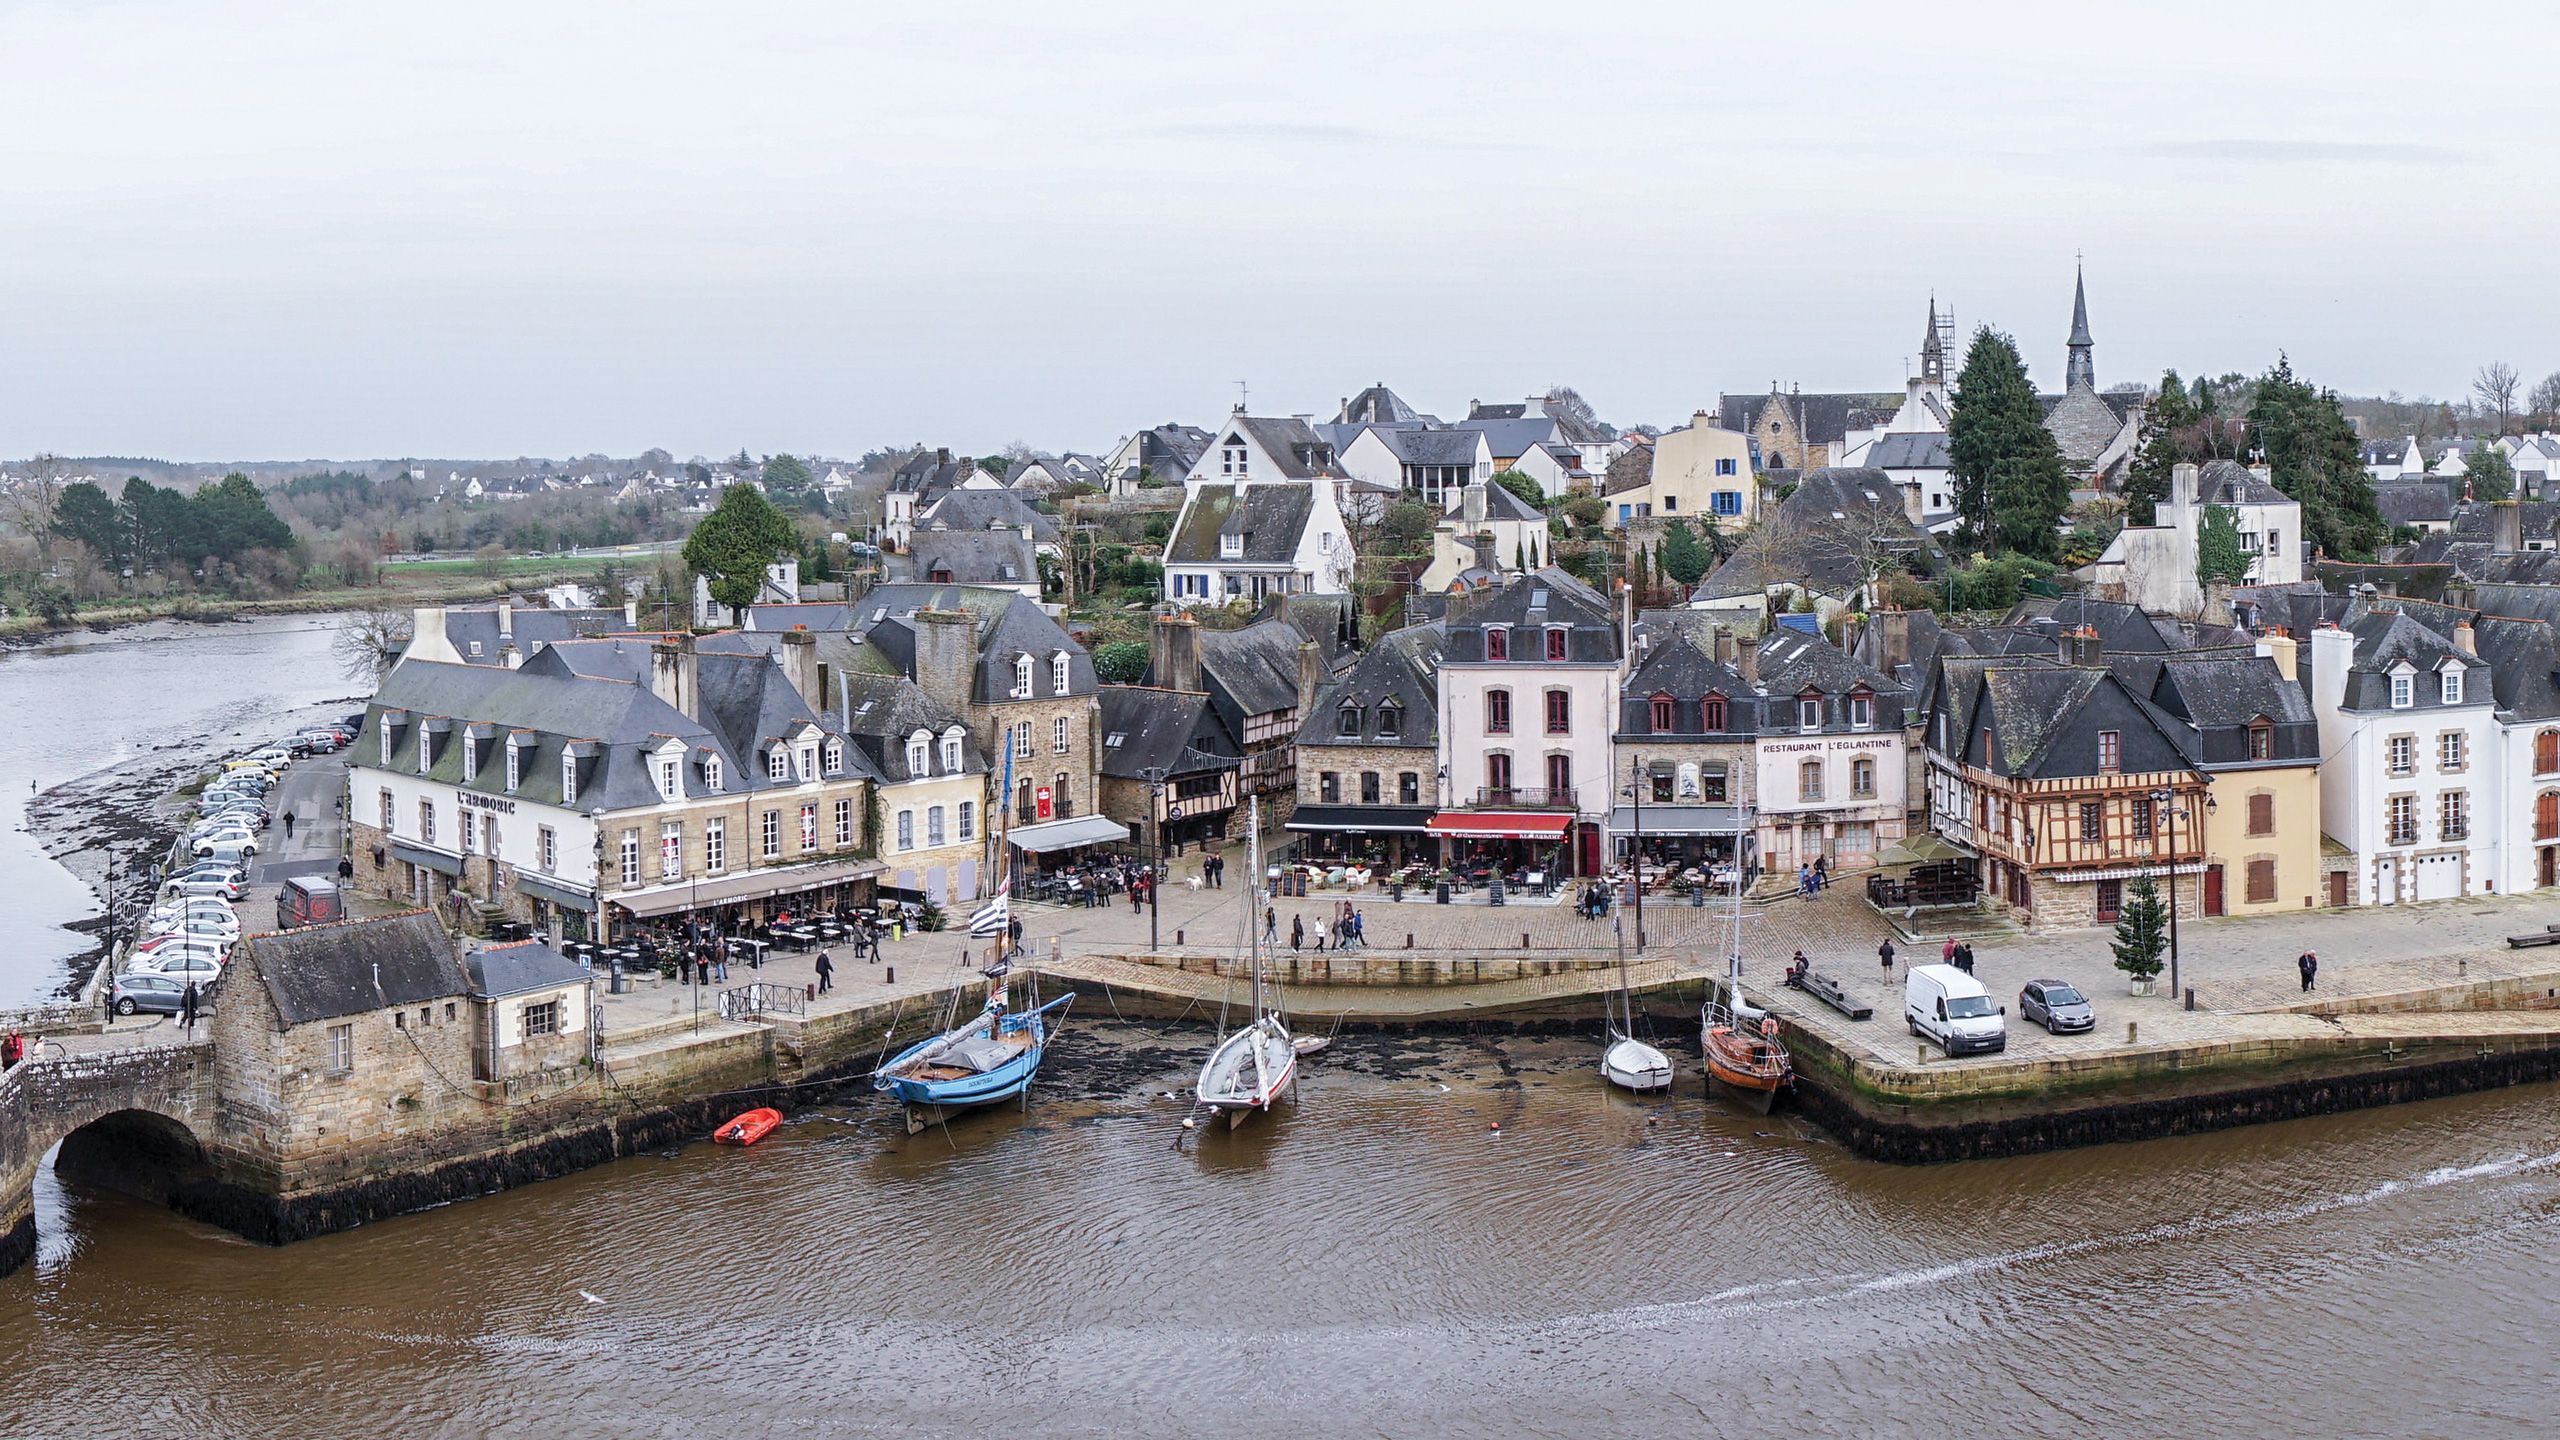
x: 1950, y: 1009
x: 189, y: 931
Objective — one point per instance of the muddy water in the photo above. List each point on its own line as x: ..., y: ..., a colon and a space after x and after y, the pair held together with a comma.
x: 152, y: 697
x: 1379, y: 1262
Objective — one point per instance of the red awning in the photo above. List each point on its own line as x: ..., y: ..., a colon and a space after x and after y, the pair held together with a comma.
x: 1501, y: 824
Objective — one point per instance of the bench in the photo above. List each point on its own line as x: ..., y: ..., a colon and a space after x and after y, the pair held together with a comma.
x: 2539, y: 937
x: 1830, y: 992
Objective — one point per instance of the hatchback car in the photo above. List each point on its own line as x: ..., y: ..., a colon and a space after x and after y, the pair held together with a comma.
x: 225, y: 844
x: 221, y: 929
x: 215, y: 887
x: 137, y: 991
x: 2057, y: 1005
x: 199, y: 965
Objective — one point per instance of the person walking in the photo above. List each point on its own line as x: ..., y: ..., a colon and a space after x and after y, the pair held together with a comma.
x: 2309, y: 965
x: 826, y: 972
x: 188, y: 1000
x: 1297, y: 931
x: 1013, y: 932
x: 1821, y: 871
x: 1947, y: 952
x: 288, y: 824
x: 1318, y: 928
x: 1884, y: 952
x: 1270, y: 926
x: 1964, y: 958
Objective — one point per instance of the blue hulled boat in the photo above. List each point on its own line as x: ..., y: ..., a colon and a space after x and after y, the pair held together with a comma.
x: 991, y: 1057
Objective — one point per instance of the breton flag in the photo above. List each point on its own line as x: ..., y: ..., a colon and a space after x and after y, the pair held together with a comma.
x: 992, y: 917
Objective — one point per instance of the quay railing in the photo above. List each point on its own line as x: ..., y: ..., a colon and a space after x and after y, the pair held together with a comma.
x: 764, y: 997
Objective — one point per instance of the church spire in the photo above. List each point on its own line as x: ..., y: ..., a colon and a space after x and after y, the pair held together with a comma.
x: 2083, y: 369
x: 1933, y: 351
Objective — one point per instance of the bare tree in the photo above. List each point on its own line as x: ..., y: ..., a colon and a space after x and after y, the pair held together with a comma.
x: 1871, y: 540
x: 2496, y: 384
x: 370, y: 639
x: 29, y: 504
x: 1567, y: 402
x: 2544, y: 402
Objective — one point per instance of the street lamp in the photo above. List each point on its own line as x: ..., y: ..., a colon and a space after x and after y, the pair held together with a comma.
x: 2164, y: 800
x: 1635, y: 839
x: 1154, y: 775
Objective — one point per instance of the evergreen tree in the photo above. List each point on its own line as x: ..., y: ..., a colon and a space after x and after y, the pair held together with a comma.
x: 2142, y: 930
x: 734, y: 543
x: 1639, y: 577
x: 2488, y: 471
x: 2218, y: 553
x: 787, y: 475
x: 84, y: 513
x: 2011, y: 488
x: 2162, y: 448
x: 1683, y: 558
x: 1523, y: 486
x: 2313, y: 456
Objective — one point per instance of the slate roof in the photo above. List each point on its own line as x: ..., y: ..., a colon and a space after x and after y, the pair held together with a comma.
x: 473, y: 630
x: 2421, y: 504
x: 1272, y: 517
x: 1821, y: 418
x: 1630, y: 471
x: 2524, y: 659
x: 1680, y: 664
x: 1922, y: 451
x: 973, y: 557
x: 1402, y: 668
x: 1807, y: 521
x: 986, y: 510
x: 498, y: 971
x: 2298, y: 608
x: 2228, y: 482
x: 1792, y: 662
x: 1143, y: 728
x: 356, y: 967
x: 885, y: 711
x: 2393, y: 451
x: 2233, y: 690
x: 1291, y: 444
x: 2025, y: 706
x: 1252, y: 671
x: 1375, y: 404
x: 930, y: 470
x: 2386, y: 639
x: 1502, y: 503
x: 2083, y: 424
x: 1529, y: 604
x: 1009, y: 624
x: 1432, y: 445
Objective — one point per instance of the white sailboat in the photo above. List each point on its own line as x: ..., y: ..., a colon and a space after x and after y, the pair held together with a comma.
x: 1252, y: 1066
x: 1625, y: 1061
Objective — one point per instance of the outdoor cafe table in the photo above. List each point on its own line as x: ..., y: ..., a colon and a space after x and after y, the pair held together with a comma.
x: 754, y: 950
x: 801, y: 936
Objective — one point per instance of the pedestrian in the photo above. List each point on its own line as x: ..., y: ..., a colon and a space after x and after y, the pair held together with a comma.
x: 1013, y: 931
x: 826, y: 972
x: 1360, y: 928
x: 2310, y: 967
x: 1137, y: 902
x: 1884, y: 952
x: 1964, y: 956
x: 188, y: 1000
x: 1318, y: 927
x: 1270, y: 925
x: 12, y: 1050
x: 1821, y: 871
x: 1947, y: 952
x: 288, y: 824
x: 346, y: 868
x: 1297, y: 931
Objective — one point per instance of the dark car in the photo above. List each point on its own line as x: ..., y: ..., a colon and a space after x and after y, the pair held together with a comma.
x: 139, y: 991
x: 2057, y: 1005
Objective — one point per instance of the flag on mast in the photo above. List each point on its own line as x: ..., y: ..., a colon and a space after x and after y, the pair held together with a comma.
x: 991, y: 918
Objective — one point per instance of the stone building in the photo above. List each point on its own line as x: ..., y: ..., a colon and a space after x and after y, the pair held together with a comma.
x: 933, y: 788
x: 1830, y: 755
x: 533, y: 1010
x: 1368, y: 754
x: 1790, y: 430
x: 1686, y: 728
x: 1169, y: 770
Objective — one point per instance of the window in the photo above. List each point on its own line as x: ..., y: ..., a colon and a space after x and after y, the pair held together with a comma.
x: 968, y: 819
x: 1346, y: 721
x: 385, y: 735
x: 1715, y: 712
x: 2449, y: 750
x: 1021, y: 677
x: 1862, y: 778
x: 470, y: 828
x: 809, y: 826
x: 1066, y: 799
x: 1497, y: 773
x: 2403, y: 694
x: 1809, y: 780
x: 933, y: 826
x: 2110, y: 900
x: 630, y: 858
x: 1559, y: 779
x: 2401, y: 753
x: 1725, y: 465
x: 1409, y: 788
x: 844, y: 824
x: 2141, y: 817
x: 1714, y: 781
x: 1670, y: 504
x: 1862, y: 711
x: 808, y: 756
x: 1497, y: 712
x: 342, y: 1049
x: 1231, y: 459
x: 772, y: 836
x: 2403, y: 822
x: 1559, y: 712
x: 1329, y: 788
x: 2546, y: 752
x: 671, y: 850
x: 1662, y: 786
x: 1555, y: 644
x: 2110, y: 751
x: 2546, y: 815
x: 2262, y: 740
x: 2453, y: 816
x: 919, y: 754
x: 670, y: 785
x: 1660, y: 715
x: 711, y: 777
x: 952, y: 757
x: 1231, y: 545
x: 1368, y: 787
x: 2262, y: 882
x: 1390, y: 720
x: 1497, y: 643
x: 427, y: 821
x: 542, y: 1018
x: 777, y: 764
x: 1725, y: 502
x: 1809, y: 713
x: 2262, y: 814
x: 2093, y: 822
x: 1061, y: 674
x: 515, y: 766
x: 715, y: 845
x: 834, y: 752
x: 2453, y: 686
x: 546, y: 846
x: 387, y: 823
x: 1058, y: 735
x: 1022, y: 740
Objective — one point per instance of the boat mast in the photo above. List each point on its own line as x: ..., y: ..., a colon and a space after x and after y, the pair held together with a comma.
x: 1253, y: 858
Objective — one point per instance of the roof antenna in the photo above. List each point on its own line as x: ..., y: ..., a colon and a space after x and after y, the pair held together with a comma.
x: 1240, y: 397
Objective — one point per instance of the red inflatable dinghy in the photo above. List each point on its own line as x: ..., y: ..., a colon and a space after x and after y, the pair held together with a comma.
x: 749, y: 1128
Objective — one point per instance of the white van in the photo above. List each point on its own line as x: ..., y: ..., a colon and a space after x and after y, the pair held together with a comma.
x: 1951, y: 1010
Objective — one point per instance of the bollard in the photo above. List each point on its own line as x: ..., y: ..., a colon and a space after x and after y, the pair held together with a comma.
x: 813, y: 989
x: 2130, y: 1030
x: 1920, y: 1054
x: 1177, y: 935
x: 2191, y: 997
x: 889, y: 976
x: 1408, y: 939
x: 1524, y: 939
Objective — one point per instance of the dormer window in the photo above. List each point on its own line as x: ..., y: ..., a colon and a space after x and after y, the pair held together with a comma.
x: 568, y: 779
x: 1715, y: 712
x: 1555, y: 644
x: 470, y: 757
x: 2403, y: 691
x: 515, y: 766
x: 919, y: 753
x: 385, y: 735
x: 670, y: 778
x: 1021, y: 677
x: 1061, y: 674
x: 1862, y: 711
x: 2453, y: 685
x: 2262, y: 739
x: 951, y: 750
x: 1390, y: 720
x: 711, y: 773
x: 1346, y: 721
x: 1662, y: 715
x: 1809, y: 712
x: 1497, y: 643
x: 807, y: 756
x: 777, y: 765
x: 833, y: 751
x: 1231, y: 545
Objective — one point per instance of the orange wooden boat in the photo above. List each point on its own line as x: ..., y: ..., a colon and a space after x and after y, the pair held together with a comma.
x: 749, y: 1128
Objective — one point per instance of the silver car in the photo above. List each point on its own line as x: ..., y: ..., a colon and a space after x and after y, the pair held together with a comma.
x: 2057, y: 1005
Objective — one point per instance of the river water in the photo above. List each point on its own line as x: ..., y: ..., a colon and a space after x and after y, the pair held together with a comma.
x: 85, y: 702
x: 1377, y: 1260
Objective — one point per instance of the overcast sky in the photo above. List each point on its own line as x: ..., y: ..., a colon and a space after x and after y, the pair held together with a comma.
x: 274, y: 230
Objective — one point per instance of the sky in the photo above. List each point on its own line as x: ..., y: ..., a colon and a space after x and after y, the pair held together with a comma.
x: 250, y: 229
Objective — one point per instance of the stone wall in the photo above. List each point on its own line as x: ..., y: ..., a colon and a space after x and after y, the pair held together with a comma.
x: 993, y: 723
x: 1349, y: 762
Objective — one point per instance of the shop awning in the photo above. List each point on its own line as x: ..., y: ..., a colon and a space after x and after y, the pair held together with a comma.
x: 419, y: 855
x: 1919, y: 850
x: 1675, y: 820
x: 1360, y: 819
x: 753, y: 885
x: 1502, y: 824
x: 1068, y: 834
x: 555, y: 892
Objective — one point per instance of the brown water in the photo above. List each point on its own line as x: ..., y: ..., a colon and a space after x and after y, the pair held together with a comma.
x: 1377, y: 1263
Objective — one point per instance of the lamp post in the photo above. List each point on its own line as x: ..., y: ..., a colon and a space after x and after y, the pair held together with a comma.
x: 2165, y: 800
x: 1635, y: 840
x: 1154, y: 775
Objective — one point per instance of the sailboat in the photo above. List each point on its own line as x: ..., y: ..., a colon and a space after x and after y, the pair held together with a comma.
x: 1625, y: 1061
x: 994, y: 1054
x: 1251, y: 1066
x: 1745, y: 1058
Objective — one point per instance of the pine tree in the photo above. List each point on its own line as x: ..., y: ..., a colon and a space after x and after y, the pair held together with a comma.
x: 2162, y: 449
x: 2011, y: 487
x: 2218, y: 553
x: 1683, y: 558
x: 2142, y: 930
x: 2487, y: 470
x: 2312, y: 455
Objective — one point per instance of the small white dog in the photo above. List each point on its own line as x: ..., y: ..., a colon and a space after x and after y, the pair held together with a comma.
x: 1193, y: 882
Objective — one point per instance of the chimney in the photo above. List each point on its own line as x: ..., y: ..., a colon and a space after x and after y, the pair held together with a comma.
x: 2465, y: 639
x: 2081, y: 647
x: 507, y: 618
x: 2182, y: 489
x: 1747, y: 661
x: 427, y: 638
x: 2264, y: 472
x: 631, y: 612
x: 800, y: 663
x: 1724, y: 651
x: 2508, y: 517
x: 1471, y: 503
x: 1911, y: 510
x: 1482, y: 544
x: 1310, y: 675
x: 1894, y: 635
x: 946, y: 657
x: 942, y: 456
x: 1173, y: 653
x: 2279, y: 647
x: 2217, y: 604
x: 510, y: 656
x: 675, y: 675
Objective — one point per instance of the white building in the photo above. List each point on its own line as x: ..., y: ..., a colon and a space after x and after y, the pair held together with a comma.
x: 2154, y: 566
x: 1528, y: 683
x: 2412, y: 753
x: 1248, y: 539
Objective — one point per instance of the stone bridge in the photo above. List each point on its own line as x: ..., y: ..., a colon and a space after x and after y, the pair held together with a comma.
x: 137, y: 1117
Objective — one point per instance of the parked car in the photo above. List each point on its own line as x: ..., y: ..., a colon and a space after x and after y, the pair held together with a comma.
x: 274, y: 757
x: 207, y: 885
x: 207, y: 914
x: 309, y: 900
x: 211, y: 870
x: 180, y: 937
x: 190, y: 963
x: 136, y: 991
x: 236, y: 845
x: 1952, y: 1011
x: 2057, y: 1005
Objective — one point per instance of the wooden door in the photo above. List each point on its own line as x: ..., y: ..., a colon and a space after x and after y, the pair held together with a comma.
x: 2550, y: 857
x: 2338, y: 888
x: 2213, y: 889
